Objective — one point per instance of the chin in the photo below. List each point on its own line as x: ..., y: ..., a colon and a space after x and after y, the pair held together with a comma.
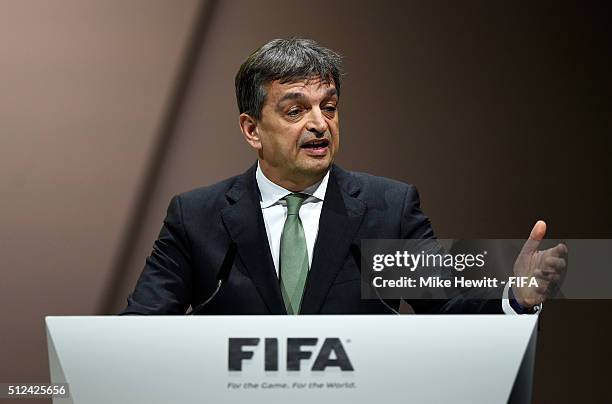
x: 319, y: 167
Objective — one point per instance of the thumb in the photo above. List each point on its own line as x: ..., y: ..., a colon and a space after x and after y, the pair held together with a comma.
x: 535, y: 237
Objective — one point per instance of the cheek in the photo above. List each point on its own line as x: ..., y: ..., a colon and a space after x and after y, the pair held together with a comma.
x: 334, y: 126
x: 283, y: 144
x: 335, y: 131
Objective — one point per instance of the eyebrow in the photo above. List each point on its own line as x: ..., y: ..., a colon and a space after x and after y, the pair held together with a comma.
x: 298, y: 95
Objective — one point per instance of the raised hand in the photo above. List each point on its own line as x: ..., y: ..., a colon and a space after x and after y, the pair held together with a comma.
x: 547, y: 267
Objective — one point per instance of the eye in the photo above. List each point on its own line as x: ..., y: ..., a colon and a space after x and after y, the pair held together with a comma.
x: 293, y: 112
x: 330, y: 108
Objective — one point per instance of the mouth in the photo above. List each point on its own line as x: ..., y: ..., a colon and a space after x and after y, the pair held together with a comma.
x: 316, y: 147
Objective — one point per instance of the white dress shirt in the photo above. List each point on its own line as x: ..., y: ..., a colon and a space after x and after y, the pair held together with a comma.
x: 274, y: 210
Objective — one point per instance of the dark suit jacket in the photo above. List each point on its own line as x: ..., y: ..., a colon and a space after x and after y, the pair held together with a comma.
x: 201, y: 224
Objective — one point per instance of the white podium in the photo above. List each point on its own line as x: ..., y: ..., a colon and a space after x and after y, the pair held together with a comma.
x: 293, y: 359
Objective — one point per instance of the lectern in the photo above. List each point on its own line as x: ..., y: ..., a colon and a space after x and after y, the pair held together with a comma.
x: 293, y: 359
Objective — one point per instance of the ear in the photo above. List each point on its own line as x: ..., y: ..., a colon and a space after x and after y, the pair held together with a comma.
x: 248, y: 126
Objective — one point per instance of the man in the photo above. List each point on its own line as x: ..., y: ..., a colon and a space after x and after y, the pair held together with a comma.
x: 295, y: 217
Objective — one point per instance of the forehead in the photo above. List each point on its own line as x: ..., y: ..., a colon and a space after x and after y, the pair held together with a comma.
x: 311, y: 88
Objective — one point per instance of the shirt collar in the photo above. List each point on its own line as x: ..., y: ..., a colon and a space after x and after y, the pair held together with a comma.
x: 272, y: 193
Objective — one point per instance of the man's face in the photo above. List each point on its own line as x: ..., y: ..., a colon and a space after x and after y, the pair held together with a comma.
x: 298, y: 131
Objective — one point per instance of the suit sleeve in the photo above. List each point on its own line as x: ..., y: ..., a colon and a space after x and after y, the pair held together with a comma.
x: 164, y: 285
x: 416, y: 225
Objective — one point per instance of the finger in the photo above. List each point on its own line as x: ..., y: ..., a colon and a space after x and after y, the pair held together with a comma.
x: 552, y: 262
x: 539, y: 230
x: 560, y: 250
x: 550, y: 276
x: 535, y: 237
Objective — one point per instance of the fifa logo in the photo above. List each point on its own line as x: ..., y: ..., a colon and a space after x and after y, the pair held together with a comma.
x: 331, y: 353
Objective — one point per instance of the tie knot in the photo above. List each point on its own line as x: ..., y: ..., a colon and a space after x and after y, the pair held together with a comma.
x: 294, y: 203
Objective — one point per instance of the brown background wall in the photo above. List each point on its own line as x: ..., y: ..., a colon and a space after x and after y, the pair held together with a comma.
x: 499, y: 113
x: 83, y: 85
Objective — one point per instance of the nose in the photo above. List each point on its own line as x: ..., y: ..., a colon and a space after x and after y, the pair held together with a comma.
x: 316, y: 123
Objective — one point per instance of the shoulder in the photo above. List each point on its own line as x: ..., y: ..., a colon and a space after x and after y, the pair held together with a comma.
x: 215, y: 196
x: 391, y: 204
x: 201, y: 194
x: 372, y: 187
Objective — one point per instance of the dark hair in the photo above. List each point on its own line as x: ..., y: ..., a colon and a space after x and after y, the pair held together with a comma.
x: 286, y: 60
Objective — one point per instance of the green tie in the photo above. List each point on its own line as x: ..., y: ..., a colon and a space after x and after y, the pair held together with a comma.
x: 293, y: 255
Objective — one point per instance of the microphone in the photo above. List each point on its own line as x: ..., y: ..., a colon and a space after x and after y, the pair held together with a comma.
x: 222, y: 276
x: 356, y: 253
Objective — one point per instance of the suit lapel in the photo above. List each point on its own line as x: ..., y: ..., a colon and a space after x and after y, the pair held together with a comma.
x: 244, y: 222
x: 341, y: 217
